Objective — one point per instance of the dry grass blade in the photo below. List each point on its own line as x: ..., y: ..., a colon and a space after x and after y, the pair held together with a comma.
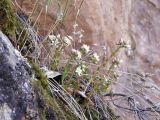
x: 60, y: 92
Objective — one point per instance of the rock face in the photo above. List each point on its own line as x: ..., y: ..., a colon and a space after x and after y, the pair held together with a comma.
x: 16, y: 98
x: 134, y: 20
x: 105, y: 22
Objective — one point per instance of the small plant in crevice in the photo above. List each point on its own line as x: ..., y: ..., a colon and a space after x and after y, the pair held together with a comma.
x: 85, y: 75
x: 50, y: 107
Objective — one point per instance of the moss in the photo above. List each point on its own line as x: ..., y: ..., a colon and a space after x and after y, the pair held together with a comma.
x: 7, y: 18
x: 41, y: 89
x: 39, y: 74
x: 10, y: 25
x: 45, y: 100
x: 57, y: 105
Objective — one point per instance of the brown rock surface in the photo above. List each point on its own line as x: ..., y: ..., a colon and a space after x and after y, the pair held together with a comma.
x: 107, y: 21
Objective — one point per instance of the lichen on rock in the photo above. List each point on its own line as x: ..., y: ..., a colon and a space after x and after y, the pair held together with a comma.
x: 5, y: 112
x: 16, y: 94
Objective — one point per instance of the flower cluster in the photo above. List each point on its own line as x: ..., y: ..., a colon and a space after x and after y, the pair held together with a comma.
x: 55, y: 40
x: 78, y: 33
x: 85, y: 48
x: 80, y: 69
x: 58, y: 40
x: 124, y: 44
x: 106, y: 80
x: 95, y: 58
x: 83, y: 51
x: 67, y: 40
x: 77, y: 54
x: 116, y: 62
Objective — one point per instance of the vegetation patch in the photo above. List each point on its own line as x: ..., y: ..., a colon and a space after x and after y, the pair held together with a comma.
x: 49, y: 105
x: 7, y: 18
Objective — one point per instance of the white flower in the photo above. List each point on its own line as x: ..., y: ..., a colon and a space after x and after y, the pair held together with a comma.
x: 128, y: 46
x: 77, y: 53
x: 116, y: 62
x: 54, y: 40
x: 52, y: 37
x: 95, y: 44
x: 75, y: 25
x: 106, y: 79
x: 60, y: 16
x: 115, y: 74
x: 85, y: 48
x: 125, y: 44
x: 67, y: 40
x: 83, y: 67
x: 120, y: 61
x: 58, y: 36
x: 115, y: 65
x: 74, y: 33
x: 80, y: 36
x: 95, y: 57
x: 79, y: 71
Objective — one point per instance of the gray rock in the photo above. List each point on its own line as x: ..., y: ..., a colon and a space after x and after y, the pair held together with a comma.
x: 16, y: 98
